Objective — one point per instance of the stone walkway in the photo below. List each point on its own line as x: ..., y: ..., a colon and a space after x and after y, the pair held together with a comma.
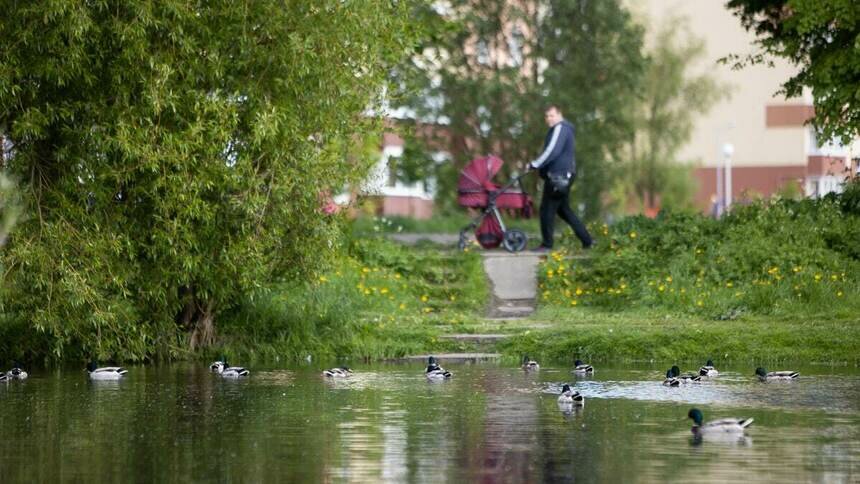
x: 512, y: 279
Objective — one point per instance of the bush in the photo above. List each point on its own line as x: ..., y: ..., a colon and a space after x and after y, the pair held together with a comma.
x: 765, y: 258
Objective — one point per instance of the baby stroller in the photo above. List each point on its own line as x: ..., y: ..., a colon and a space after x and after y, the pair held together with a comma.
x: 476, y: 189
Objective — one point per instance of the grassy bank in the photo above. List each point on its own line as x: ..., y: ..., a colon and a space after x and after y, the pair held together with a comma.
x: 651, y: 335
x: 380, y: 300
x: 774, y: 281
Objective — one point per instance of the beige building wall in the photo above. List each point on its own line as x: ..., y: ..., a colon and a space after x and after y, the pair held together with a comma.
x: 740, y: 119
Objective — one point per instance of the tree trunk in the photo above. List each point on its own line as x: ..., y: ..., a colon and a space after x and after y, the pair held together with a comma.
x: 199, y: 318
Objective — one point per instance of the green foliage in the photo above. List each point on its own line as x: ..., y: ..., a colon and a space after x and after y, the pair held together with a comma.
x: 780, y: 257
x: 481, y: 84
x: 173, y: 155
x: 10, y: 207
x: 380, y: 300
x: 820, y: 37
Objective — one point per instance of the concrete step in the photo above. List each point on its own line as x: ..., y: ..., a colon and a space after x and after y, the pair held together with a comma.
x: 444, y: 358
x: 476, y: 338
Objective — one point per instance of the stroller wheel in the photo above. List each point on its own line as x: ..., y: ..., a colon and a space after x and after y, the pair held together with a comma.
x: 461, y: 244
x: 515, y: 240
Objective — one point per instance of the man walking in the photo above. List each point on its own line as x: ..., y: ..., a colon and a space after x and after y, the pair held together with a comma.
x: 557, y: 166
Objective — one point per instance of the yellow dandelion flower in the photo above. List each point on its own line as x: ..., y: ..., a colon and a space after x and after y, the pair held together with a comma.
x: 452, y: 297
x: 661, y: 288
x: 402, y: 306
x: 817, y: 277
x: 384, y: 290
x: 729, y: 284
x: 683, y: 290
x: 397, y: 276
x: 839, y: 294
x: 367, y: 292
x: 699, y: 303
x: 427, y: 310
x: 578, y: 291
x: 365, y: 270
x: 573, y: 302
x: 425, y: 298
x: 623, y: 286
x: 668, y: 278
x: 833, y: 277
x: 323, y: 279
x: 632, y: 235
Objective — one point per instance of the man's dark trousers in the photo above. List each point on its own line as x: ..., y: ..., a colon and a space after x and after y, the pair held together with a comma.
x: 552, y: 203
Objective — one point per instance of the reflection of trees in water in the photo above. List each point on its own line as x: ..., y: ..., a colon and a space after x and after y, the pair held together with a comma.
x: 510, y: 434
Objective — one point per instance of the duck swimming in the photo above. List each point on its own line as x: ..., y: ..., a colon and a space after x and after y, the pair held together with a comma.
x: 435, y: 372
x: 708, y: 369
x: 581, y: 368
x: 569, y: 396
x: 765, y: 375
x: 105, y: 372
x: 529, y: 364
x: 670, y: 380
x: 686, y: 377
x: 16, y: 373
x: 717, y: 428
x: 227, y: 371
x: 341, y: 372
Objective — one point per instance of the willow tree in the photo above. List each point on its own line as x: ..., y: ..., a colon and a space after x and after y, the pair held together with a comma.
x: 172, y: 156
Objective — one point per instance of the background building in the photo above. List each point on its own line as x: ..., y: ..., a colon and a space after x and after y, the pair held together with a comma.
x: 770, y: 148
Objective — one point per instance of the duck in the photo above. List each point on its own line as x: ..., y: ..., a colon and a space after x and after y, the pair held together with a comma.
x: 722, y: 427
x: 341, y: 372
x: 435, y: 372
x: 569, y: 396
x: 105, y: 372
x: 4, y: 378
x: 581, y: 368
x: 686, y: 377
x: 765, y: 375
x: 218, y: 366
x: 670, y: 380
x: 529, y: 364
x: 227, y: 371
x: 16, y: 373
x: 708, y: 369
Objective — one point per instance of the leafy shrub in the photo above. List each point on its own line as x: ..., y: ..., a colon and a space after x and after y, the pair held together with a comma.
x: 764, y: 258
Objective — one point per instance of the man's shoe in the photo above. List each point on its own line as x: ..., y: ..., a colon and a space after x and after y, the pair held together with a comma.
x: 590, y: 246
x: 542, y: 249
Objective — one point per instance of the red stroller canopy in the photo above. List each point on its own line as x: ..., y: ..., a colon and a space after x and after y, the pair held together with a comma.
x: 476, y: 181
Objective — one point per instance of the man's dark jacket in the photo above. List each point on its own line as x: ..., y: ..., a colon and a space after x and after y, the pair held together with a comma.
x: 558, y: 151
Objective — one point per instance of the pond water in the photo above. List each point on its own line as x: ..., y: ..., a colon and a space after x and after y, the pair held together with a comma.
x: 491, y: 423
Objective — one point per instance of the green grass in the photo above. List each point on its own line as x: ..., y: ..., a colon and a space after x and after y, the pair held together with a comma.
x: 654, y: 335
x: 382, y: 300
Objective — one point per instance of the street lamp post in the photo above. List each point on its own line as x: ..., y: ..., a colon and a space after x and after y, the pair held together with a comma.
x: 728, y: 151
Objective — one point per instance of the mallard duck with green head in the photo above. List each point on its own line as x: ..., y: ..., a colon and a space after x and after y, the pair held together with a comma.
x: 708, y: 369
x: 717, y: 428
x: 765, y: 375
x: 686, y: 377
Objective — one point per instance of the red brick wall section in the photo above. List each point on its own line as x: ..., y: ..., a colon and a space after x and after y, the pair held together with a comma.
x: 763, y: 180
x: 407, y: 206
x: 789, y: 115
x: 826, y: 165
